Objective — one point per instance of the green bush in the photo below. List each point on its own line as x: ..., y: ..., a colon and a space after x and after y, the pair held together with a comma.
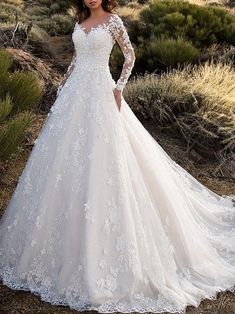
x: 54, y: 7
x: 5, y: 107
x: 200, y: 24
x: 13, y: 132
x: 38, y: 34
x: 167, y: 52
x: 51, y: 17
x: 64, y: 22
x: 60, y: 7
x: 51, y: 27
x: 56, y: 25
x: 25, y: 91
x: 8, y: 13
x: 20, y: 92
x: 38, y: 11
x: 5, y: 61
x: 5, y: 64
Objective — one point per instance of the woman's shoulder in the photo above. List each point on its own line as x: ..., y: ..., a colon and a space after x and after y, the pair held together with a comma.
x: 114, y: 15
x: 115, y: 19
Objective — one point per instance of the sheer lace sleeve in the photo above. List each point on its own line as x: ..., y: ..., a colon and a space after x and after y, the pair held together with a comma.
x: 120, y: 34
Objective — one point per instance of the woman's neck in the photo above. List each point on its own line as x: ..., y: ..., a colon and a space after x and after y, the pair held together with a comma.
x: 98, y: 12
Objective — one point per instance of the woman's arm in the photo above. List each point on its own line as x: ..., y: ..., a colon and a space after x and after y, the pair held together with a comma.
x: 121, y: 36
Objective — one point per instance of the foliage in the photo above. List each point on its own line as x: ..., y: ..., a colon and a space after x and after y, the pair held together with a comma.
x: 25, y: 91
x: 38, y: 11
x: 5, y: 107
x: 20, y: 92
x: 201, y: 24
x: 8, y: 13
x: 13, y: 133
x: 38, y: 34
x: 58, y: 24
x: 172, y: 32
x: 50, y: 17
x: 167, y: 52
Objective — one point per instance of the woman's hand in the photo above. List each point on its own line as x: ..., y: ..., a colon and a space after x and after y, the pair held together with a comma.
x: 118, y: 97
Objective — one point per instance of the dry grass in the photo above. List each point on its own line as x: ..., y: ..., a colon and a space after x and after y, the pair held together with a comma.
x: 14, y: 2
x: 214, y: 81
x: 197, y: 100
x: 220, y: 3
x: 131, y: 11
x: 206, y: 2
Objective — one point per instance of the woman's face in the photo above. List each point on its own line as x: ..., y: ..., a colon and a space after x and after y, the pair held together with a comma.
x: 93, y: 4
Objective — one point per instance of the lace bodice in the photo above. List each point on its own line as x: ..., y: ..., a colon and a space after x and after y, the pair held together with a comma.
x: 93, y: 47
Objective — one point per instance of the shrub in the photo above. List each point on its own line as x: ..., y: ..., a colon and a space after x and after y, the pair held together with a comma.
x: 13, y: 133
x: 5, y: 64
x: 5, y: 107
x: 19, y: 93
x: 64, y: 22
x: 167, y: 52
x: 60, y: 7
x: 200, y: 24
x: 50, y: 26
x: 8, y: 13
x: 54, y: 7
x: 38, y: 34
x: 25, y: 90
x: 58, y: 24
x: 45, y: 15
x: 5, y: 61
x: 38, y: 11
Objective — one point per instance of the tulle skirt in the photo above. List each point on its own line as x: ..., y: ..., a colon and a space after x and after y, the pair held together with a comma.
x: 103, y: 219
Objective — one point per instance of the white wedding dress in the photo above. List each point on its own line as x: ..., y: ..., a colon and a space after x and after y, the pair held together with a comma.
x: 102, y: 218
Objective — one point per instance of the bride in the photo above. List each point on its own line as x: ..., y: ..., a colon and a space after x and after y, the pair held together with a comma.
x: 102, y: 218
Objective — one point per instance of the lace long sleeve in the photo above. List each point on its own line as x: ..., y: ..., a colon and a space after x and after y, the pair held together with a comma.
x: 121, y: 36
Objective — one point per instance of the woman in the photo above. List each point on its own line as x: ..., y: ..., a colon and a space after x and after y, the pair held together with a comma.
x: 102, y: 218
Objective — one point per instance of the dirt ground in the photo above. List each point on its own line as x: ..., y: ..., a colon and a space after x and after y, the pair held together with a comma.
x: 13, y: 301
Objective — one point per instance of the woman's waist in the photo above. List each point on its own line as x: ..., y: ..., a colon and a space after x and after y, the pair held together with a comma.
x: 88, y: 64
x: 99, y: 73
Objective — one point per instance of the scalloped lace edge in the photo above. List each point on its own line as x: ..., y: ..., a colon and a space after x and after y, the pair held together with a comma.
x: 107, y: 307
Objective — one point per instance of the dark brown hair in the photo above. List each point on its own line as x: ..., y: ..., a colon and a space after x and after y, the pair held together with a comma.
x: 83, y: 13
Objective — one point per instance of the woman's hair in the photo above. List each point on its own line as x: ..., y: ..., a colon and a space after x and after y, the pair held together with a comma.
x: 82, y: 12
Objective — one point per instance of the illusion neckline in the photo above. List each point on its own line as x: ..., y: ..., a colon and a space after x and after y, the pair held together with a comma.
x: 95, y: 26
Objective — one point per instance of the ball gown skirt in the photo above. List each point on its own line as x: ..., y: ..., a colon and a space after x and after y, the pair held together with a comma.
x: 103, y: 219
